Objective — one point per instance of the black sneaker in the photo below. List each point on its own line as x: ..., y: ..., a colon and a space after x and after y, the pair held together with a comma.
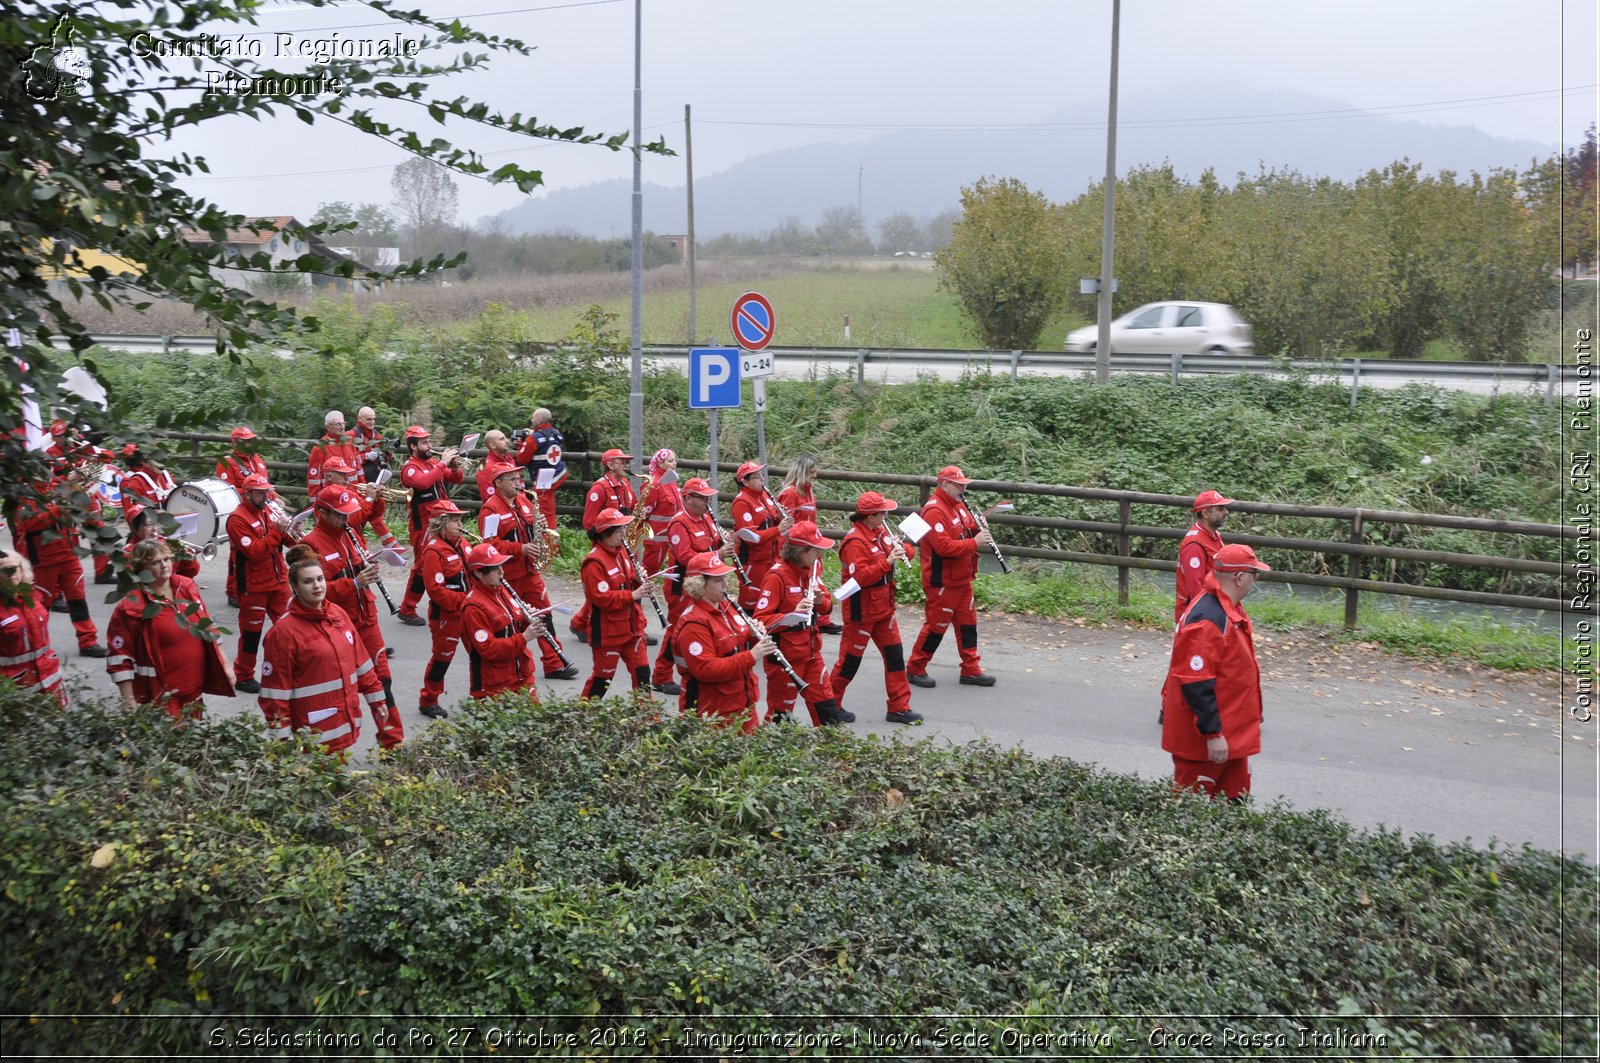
x: 388, y: 651
x: 233, y: 603
x: 412, y: 620
x: 907, y: 717
x: 579, y: 634
x: 93, y: 650
x: 432, y: 712
x: 247, y: 686
x: 569, y: 672
x: 107, y: 576
x: 923, y: 679
x: 59, y: 605
x: 651, y: 640
x: 831, y: 629
x: 836, y: 716
x: 669, y: 687
x: 781, y: 717
x: 979, y: 680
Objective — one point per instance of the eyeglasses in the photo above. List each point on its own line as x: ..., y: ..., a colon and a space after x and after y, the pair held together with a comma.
x: 10, y: 570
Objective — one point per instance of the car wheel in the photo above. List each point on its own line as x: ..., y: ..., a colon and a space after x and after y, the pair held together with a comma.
x: 1220, y: 352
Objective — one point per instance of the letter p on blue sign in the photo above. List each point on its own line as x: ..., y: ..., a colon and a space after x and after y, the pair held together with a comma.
x: 713, y: 378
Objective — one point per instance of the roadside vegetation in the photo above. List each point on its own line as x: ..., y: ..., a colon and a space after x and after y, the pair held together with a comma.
x: 609, y: 870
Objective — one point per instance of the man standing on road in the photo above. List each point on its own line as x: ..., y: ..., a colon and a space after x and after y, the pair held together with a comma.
x: 1200, y: 545
x: 1211, y: 701
x: 949, y: 554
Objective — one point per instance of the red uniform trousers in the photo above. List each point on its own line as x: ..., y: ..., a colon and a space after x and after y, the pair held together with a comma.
x: 64, y: 576
x: 391, y: 729
x: 531, y: 589
x: 676, y: 604
x: 414, y: 587
x: 255, y: 611
x: 604, y: 658
x: 885, y: 634
x: 446, y: 631
x: 1231, y: 778
x: 781, y: 692
x: 946, y: 606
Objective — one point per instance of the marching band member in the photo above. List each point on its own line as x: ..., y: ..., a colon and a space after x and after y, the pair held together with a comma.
x: 799, y: 498
x: 142, y: 525
x: 349, y: 586
x: 25, y: 654
x: 791, y: 586
x: 74, y: 457
x: 755, y: 514
x: 368, y: 442
x: 144, y: 481
x: 444, y: 572
x: 949, y: 562
x: 612, y: 590
x: 719, y: 652
x: 499, y: 456
x: 263, y: 581
x: 611, y: 491
x: 542, y: 446
x: 317, y: 669
x: 868, y: 556
x: 510, y: 521
x: 429, y: 479
x: 497, y: 634
x: 665, y: 502
x: 335, y: 443
x: 235, y: 468
x: 692, y: 531
x: 154, y: 655
x: 1200, y: 545
x: 373, y: 505
x: 46, y: 534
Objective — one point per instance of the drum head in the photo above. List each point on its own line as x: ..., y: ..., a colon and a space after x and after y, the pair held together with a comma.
x: 211, y: 500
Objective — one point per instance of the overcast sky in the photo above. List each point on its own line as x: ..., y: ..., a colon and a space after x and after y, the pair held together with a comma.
x: 767, y: 74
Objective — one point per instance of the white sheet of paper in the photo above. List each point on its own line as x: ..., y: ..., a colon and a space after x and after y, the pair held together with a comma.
x: 913, y: 527
x: 849, y: 587
x: 188, y: 523
x: 563, y: 608
x: 545, y: 478
x: 749, y: 536
x: 301, y: 517
x: 392, y: 557
x: 670, y: 476
x: 1002, y: 507
x: 383, y: 476
x: 489, y: 524
x: 788, y: 620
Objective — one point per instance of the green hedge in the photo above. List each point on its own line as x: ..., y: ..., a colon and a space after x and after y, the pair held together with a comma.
x: 579, y: 861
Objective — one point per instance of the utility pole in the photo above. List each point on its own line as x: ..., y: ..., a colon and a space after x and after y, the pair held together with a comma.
x: 688, y: 163
x: 1108, y: 233
x: 636, y: 378
x: 861, y: 169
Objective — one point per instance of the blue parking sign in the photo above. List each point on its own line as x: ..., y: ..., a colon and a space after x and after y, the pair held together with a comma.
x: 713, y: 378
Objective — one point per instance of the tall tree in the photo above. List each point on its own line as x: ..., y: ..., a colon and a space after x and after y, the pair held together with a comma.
x: 367, y: 224
x: 899, y: 232
x: 1004, y: 262
x: 841, y: 232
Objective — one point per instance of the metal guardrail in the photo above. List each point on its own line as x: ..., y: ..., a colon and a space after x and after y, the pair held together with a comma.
x: 1351, y: 543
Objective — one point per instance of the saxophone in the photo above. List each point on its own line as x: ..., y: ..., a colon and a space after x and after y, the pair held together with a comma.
x: 549, y: 542
x: 639, y: 526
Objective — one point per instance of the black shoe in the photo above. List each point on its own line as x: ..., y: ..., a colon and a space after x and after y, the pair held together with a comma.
x: 388, y: 651
x: 233, y: 603
x: 412, y: 620
x: 836, y: 716
x: 651, y: 640
x: 907, y: 717
x: 247, y: 686
x: 669, y: 688
x: 831, y: 629
x: 569, y: 672
x: 1161, y: 717
x: 979, y: 680
x: 781, y: 717
x: 922, y: 679
x: 59, y: 605
x: 432, y: 712
x: 581, y: 636
x: 107, y: 576
x: 94, y: 650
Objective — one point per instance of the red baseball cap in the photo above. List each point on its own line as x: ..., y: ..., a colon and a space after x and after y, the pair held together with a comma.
x: 1207, y: 499
x: 708, y: 565
x: 952, y: 474
x: 697, y: 486
x: 484, y: 555
x: 338, y: 465
x: 416, y: 431
x: 805, y: 533
x: 256, y: 482
x: 611, y: 517
x: 504, y: 468
x: 444, y: 505
x: 873, y: 502
x: 339, y: 499
x: 613, y: 454
x: 242, y: 432
x: 58, y: 427
x: 747, y: 468
x: 1237, y: 557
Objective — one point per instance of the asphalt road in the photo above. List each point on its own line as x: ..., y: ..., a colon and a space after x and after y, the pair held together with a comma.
x: 1459, y: 752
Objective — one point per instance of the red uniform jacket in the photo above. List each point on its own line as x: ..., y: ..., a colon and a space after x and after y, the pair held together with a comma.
x: 491, y: 631
x: 1213, y: 683
x: 1195, y: 556
x: 373, y: 513
x: 257, y: 551
x: 42, y: 532
x: 509, y: 524
x: 369, y: 445
x: 712, y: 646
x: 235, y: 467
x: 803, y: 504
x: 491, y: 468
x: 781, y: 593
x: 183, y: 563
x: 864, y: 557
x: 134, y: 654
x: 341, y: 565
x: 950, y: 549
x: 25, y: 654
x: 444, y: 575
x: 145, y: 486
x: 338, y: 446
x: 666, y: 502
x: 687, y: 536
x: 316, y: 672
x: 609, y: 580
x: 754, y: 511
x: 429, y: 482
x: 606, y: 492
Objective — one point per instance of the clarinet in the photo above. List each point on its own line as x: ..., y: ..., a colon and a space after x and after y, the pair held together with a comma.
x: 649, y: 584
x: 983, y: 526
x: 777, y: 655
x: 361, y: 555
x: 546, y: 635
x: 808, y: 604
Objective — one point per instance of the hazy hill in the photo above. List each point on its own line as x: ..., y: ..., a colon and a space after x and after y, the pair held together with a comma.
x: 921, y: 172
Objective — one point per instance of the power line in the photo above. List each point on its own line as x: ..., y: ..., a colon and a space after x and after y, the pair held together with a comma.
x: 394, y: 23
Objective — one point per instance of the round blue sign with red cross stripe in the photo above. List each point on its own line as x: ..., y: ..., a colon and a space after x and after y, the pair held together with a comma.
x: 753, y: 321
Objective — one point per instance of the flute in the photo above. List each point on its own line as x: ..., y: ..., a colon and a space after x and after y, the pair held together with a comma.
x: 549, y: 636
x: 777, y: 655
x: 366, y: 562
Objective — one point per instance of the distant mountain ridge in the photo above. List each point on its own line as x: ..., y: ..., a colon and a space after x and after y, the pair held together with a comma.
x: 921, y: 172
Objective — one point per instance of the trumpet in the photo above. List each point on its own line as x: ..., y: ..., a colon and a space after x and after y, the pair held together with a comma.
x: 208, y: 552
x: 276, y: 514
x: 388, y: 494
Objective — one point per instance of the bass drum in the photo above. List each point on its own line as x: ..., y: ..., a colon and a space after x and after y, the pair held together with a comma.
x: 212, y: 500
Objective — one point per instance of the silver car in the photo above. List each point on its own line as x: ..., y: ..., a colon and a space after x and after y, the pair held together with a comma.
x: 1178, y: 327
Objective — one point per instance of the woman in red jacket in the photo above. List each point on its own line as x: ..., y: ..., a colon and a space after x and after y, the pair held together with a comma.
x: 142, y: 525
x: 868, y: 556
x: 155, y: 655
x: 494, y: 629
x: 717, y: 652
x: 25, y: 654
x: 799, y: 499
x: 315, y: 670
x: 443, y: 564
x: 792, y: 590
x: 612, y: 590
x: 758, y: 528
